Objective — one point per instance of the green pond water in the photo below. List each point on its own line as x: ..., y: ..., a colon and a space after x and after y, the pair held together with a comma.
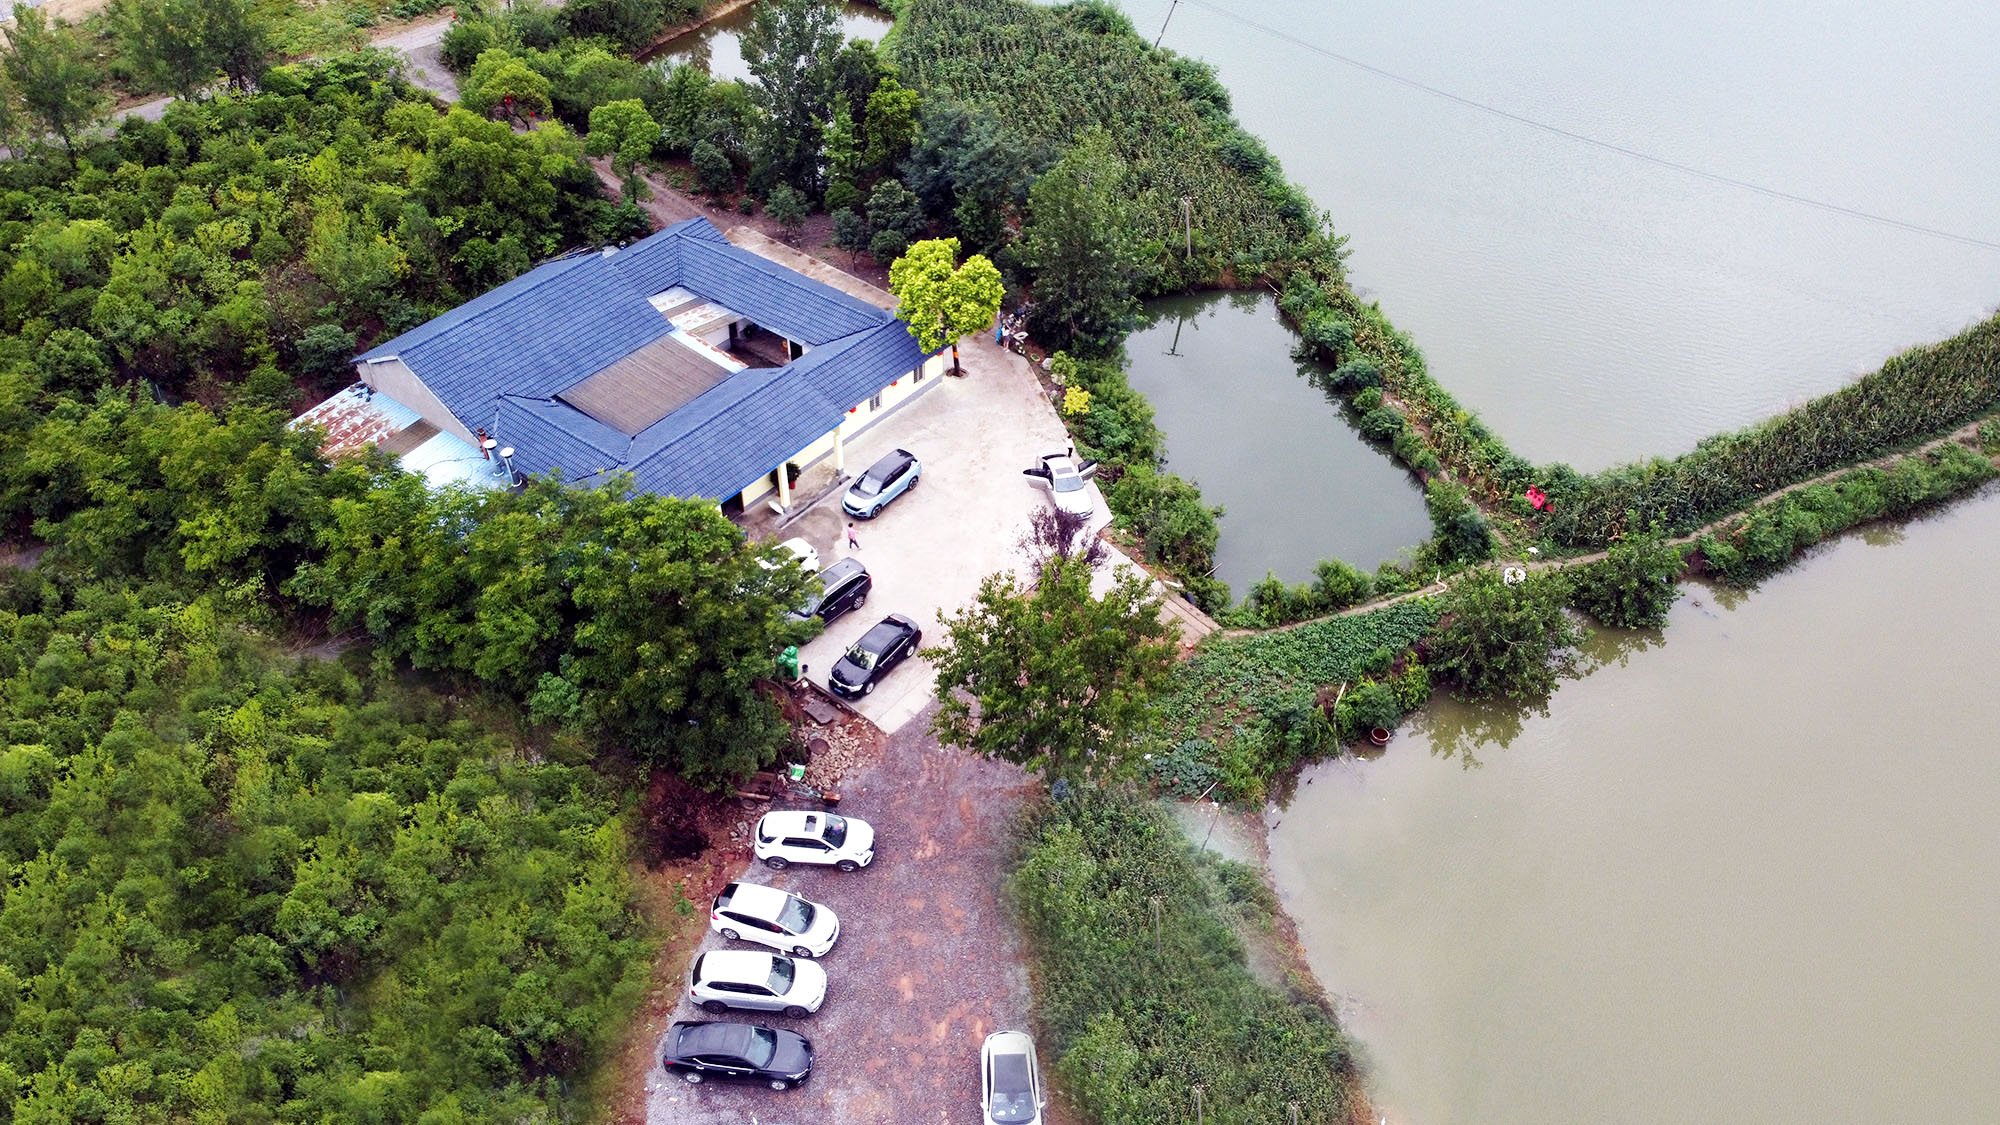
x: 717, y: 47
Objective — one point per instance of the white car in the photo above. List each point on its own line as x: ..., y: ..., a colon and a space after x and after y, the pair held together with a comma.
x: 766, y: 982
x: 800, y: 550
x: 1010, y: 1084
x: 1068, y: 481
x: 785, y: 838
x: 768, y: 916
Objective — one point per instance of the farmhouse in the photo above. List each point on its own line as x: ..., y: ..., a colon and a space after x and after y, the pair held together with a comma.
x: 697, y: 367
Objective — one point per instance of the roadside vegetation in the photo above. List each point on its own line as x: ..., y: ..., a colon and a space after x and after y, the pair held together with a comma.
x: 1143, y: 990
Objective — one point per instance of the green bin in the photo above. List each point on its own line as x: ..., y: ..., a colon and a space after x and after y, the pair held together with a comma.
x: 788, y: 662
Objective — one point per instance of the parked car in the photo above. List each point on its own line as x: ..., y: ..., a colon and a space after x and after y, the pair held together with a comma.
x: 699, y: 1050
x: 1010, y: 1083
x: 768, y: 916
x: 875, y: 655
x: 785, y: 838
x: 1068, y: 481
x: 895, y: 474
x: 799, y: 549
x: 843, y: 586
x: 722, y: 979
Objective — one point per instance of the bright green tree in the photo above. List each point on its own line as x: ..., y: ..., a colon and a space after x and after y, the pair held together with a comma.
x: 1083, y: 242
x: 628, y: 133
x: 941, y: 300
x: 51, y: 71
x: 503, y: 83
x: 1497, y: 638
x: 1052, y: 677
x: 842, y: 146
x: 892, y: 125
x: 790, y: 48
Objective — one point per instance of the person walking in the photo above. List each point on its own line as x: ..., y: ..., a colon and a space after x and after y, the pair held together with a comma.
x: 853, y: 544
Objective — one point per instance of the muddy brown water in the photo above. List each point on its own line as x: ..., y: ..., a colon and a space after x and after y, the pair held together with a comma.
x: 1741, y: 873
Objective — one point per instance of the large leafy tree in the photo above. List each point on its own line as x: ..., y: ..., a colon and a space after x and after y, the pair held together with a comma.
x: 940, y: 300
x: 625, y: 131
x: 1500, y: 639
x: 1084, y: 245
x: 1053, y: 677
x: 51, y: 71
x: 791, y: 47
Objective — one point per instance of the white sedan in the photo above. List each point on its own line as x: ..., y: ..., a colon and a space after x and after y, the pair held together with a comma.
x: 785, y: 838
x: 1068, y: 481
x: 768, y: 916
x: 1010, y: 1083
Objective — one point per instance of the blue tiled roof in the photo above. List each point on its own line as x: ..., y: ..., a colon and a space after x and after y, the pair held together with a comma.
x: 498, y: 362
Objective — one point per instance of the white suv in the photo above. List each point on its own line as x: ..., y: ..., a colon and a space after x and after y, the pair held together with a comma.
x: 785, y: 838
x: 768, y: 916
x: 737, y: 978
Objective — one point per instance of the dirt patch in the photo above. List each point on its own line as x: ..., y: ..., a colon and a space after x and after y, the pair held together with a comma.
x: 928, y: 962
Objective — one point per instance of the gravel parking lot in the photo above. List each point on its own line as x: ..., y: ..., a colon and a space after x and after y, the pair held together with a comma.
x: 927, y: 963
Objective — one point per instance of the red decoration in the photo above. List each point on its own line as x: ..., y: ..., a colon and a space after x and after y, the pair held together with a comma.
x: 1538, y: 498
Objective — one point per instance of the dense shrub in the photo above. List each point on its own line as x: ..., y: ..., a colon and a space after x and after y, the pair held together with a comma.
x: 1764, y: 539
x: 1168, y: 514
x: 1136, y: 1012
x: 1633, y: 587
x: 1335, y: 586
x: 1501, y: 639
x: 1460, y: 531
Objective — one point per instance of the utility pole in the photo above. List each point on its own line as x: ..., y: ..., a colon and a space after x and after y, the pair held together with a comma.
x: 1164, y: 23
x: 1187, y: 222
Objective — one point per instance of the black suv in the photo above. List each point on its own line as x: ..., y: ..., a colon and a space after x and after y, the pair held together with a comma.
x: 843, y: 586
x: 702, y: 1050
x: 878, y: 651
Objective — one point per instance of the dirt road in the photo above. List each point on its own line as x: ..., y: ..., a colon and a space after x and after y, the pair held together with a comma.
x: 928, y: 961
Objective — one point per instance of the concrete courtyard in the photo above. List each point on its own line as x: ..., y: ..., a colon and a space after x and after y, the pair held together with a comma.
x: 929, y: 550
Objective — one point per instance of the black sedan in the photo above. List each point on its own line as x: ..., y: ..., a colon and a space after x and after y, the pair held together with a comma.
x: 701, y: 1050
x: 878, y: 651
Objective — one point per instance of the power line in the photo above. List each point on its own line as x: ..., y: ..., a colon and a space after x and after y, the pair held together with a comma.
x: 1594, y: 142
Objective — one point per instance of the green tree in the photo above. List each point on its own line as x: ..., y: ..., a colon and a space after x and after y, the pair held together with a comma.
x: 503, y: 83
x: 940, y: 300
x: 788, y: 210
x: 713, y: 168
x: 790, y: 48
x: 842, y: 145
x: 1053, y: 678
x: 631, y: 22
x: 1497, y: 638
x: 892, y: 125
x: 1083, y: 244
x: 850, y: 232
x: 892, y: 207
x: 50, y: 69
x: 686, y: 101
x: 1461, y: 531
x: 239, y: 40
x: 628, y: 133
x: 1634, y: 586
x: 168, y: 43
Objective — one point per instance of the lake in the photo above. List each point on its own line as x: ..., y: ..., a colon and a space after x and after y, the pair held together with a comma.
x: 1296, y: 483
x: 1597, y: 309
x: 1746, y: 875
x: 717, y: 46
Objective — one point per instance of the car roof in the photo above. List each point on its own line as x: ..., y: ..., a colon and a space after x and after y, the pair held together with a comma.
x: 794, y: 820
x: 841, y: 571
x: 734, y: 964
x: 754, y: 898
x: 895, y: 458
x: 882, y: 632
x: 703, y: 1038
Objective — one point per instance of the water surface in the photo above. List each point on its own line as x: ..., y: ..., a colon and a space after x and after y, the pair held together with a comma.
x: 1243, y: 420
x: 1597, y: 309
x: 717, y: 46
x: 1746, y: 875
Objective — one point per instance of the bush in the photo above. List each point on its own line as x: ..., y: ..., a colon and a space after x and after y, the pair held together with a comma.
x: 787, y: 209
x: 1633, y: 587
x: 1498, y: 639
x: 888, y: 245
x: 713, y: 168
x: 1167, y: 512
x: 1368, y: 399
x: 464, y: 40
x: 1461, y: 531
x: 1382, y: 423
x: 1357, y: 374
x: 1371, y: 704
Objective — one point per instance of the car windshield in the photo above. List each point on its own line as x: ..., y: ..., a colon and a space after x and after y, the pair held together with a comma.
x: 1066, y: 481
x: 782, y: 971
x: 763, y: 1047
x: 1013, y: 1097
x: 862, y: 657
x: 868, y: 485
x: 836, y: 831
x: 797, y: 916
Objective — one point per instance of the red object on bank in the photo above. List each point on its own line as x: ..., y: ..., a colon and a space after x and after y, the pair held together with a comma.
x: 1538, y: 498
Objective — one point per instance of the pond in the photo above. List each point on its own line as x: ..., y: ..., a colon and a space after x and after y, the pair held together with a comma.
x: 1243, y: 420
x: 1741, y: 875
x: 1595, y: 308
x: 717, y: 46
